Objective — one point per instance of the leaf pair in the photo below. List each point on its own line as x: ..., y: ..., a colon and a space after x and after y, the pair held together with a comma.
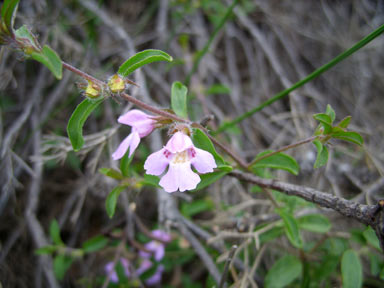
x: 327, y: 131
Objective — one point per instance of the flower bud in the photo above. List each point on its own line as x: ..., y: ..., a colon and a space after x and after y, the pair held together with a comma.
x: 92, y: 91
x: 116, y: 84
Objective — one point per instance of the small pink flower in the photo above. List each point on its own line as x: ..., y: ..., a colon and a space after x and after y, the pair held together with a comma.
x: 179, y: 154
x: 155, y: 247
x: 156, y: 277
x: 110, y: 269
x: 142, y: 125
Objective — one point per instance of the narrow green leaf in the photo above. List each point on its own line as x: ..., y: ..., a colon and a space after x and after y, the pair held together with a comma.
x: 370, y: 236
x: 331, y: 113
x: 291, y: 228
x: 277, y: 161
x: 351, y: 270
x: 125, y: 163
x: 150, y: 180
x: 142, y: 58
x: 196, y: 207
x: 217, y: 89
x: 322, y: 154
x: 203, y: 142
x: 50, y: 59
x: 112, y: 173
x: 54, y: 232
x: 349, y: 136
x: 374, y: 34
x: 345, y: 122
x: 179, y: 99
x: 325, y: 120
x: 375, y: 263
x: 77, y: 120
x: 111, y: 201
x: 8, y: 13
x: 271, y: 234
x: 49, y: 249
x: 314, y: 223
x: 209, y: 178
x: 95, y: 244
x: 283, y: 272
x: 61, y: 264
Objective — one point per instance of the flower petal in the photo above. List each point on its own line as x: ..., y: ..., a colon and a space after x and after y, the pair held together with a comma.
x: 144, y: 266
x: 131, y: 142
x: 166, y: 237
x: 139, y: 120
x: 109, y: 269
x: 159, y: 252
x: 179, y: 142
x: 179, y: 176
x: 155, y: 278
x: 203, y: 161
x: 156, y: 163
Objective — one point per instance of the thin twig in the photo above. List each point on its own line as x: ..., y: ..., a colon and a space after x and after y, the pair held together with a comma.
x: 226, y: 267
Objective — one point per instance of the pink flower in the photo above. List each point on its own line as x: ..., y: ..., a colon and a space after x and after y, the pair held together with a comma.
x: 142, y: 125
x: 110, y: 269
x: 155, y: 247
x: 156, y: 277
x: 179, y: 154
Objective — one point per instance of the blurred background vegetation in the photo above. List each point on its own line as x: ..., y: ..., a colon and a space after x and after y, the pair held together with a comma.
x: 263, y: 47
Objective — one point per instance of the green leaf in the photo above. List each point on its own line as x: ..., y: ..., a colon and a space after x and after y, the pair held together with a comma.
x: 217, y: 89
x: 25, y: 35
x: 142, y: 58
x: 8, y: 13
x: 203, y: 142
x: 314, y: 223
x: 150, y: 180
x: 209, y: 178
x: 196, y: 207
x: 283, y: 272
x: 54, y: 232
x: 61, y: 264
x: 50, y: 59
x: 345, y: 122
x: 49, y: 249
x: 271, y: 234
x: 322, y: 154
x: 353, y: 137
x: 351, y: 270
x: 77, y: 120
x: 179, y: 99
x: 277, y: 161
x: 111, y: 201
x: 375, y: 263
x: 325, y: 120
x: 95, y: 244
x: 125, y: 163
x: 331, y: 113
x: 112, y: 173
x: 291, y: 228
x: 370, y: 236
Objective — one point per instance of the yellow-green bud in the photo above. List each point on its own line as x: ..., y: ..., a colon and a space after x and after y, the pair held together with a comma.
x: 116, y: 84
x: 92, y: 90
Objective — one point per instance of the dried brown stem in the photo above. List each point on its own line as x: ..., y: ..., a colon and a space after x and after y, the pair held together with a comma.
x: 367, y: 214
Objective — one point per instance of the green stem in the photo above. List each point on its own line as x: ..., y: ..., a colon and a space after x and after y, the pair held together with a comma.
x: 204, y: 51
x: 311, y: 76
x: 282, y: 149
